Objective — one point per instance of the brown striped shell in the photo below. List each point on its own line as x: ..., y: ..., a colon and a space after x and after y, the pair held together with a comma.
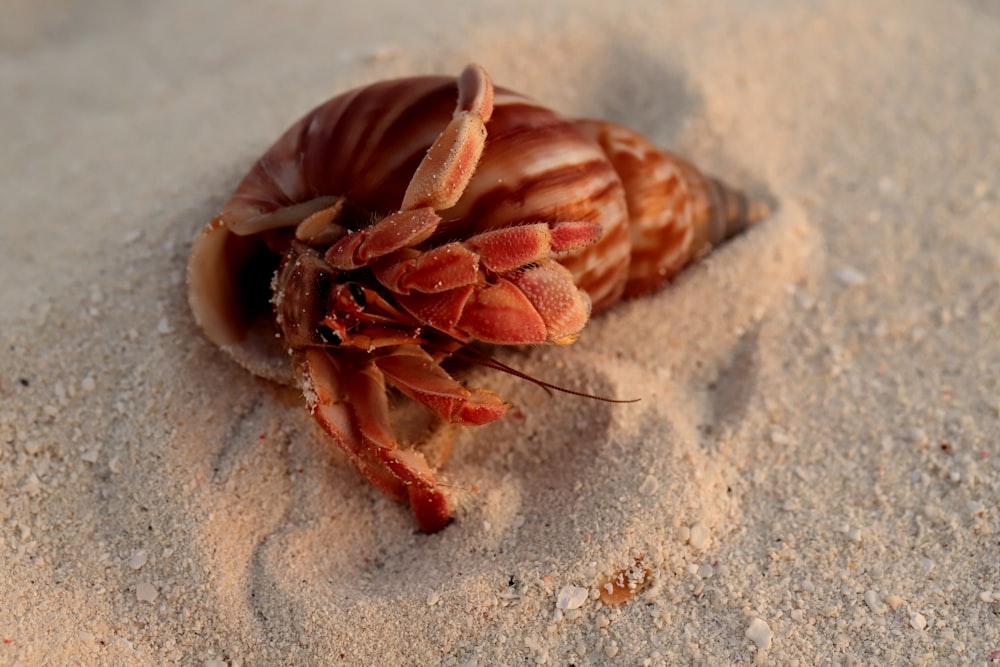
x: 657, y: 211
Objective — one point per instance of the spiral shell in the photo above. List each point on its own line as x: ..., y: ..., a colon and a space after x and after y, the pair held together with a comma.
x: 356, y: 155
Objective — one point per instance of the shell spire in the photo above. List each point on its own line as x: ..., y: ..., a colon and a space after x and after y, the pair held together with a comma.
x: 676, y: 212
x: 719, y: 211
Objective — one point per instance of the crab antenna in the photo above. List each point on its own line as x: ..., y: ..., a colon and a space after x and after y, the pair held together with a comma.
x: 480, y: 358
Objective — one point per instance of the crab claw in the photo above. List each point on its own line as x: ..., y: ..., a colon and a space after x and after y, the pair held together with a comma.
x: 438, y: 270
x: 537, y: 304
x: 563, y: 307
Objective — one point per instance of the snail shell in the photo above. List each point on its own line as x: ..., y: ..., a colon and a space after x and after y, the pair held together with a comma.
x: 658, y: 212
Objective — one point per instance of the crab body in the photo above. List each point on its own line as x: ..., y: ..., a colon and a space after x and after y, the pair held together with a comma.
x: 398, y: 224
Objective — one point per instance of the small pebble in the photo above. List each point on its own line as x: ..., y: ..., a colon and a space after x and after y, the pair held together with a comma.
x: 917, y: 621
x: 699, y: 536
x: 88, y: 383
x: 571, y: 597
x: 138, y: 559
x: 146, y: 592
x: 759, y: 633
x: 849, y: 276
x: 887, y: 186
x: 163, y: 326
x: 649, y: 485
x: 779, y: 437
x: 873, y: 602
x: 894, y: 602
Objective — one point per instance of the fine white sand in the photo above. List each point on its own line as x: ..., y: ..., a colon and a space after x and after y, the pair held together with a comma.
x: 812, y: 475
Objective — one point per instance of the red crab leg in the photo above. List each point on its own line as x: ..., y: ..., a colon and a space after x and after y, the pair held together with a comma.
x: 441, y: 311
x: 392, y: 233
x: 351, y: 405
x: 510, y: 248
x: 445, y: 171
x: 538, y: 304
x: 326, y: 400
x: 505, y: 250
x: 415, y: 373
x: 437, y: 270
x: 437, y: 184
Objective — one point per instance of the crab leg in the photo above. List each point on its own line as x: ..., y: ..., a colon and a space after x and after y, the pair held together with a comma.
x: 537, y: 304
x: 394, y: 232
x: 505, y: 250
x: 510, y: 248
x: 443, y: 174
x: 351, y: 405
x: 415, y: 373
x: 325, y: 394
x: 438, y: 183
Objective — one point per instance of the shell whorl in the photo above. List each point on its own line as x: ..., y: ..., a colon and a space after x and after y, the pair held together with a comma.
x: 677, y: 213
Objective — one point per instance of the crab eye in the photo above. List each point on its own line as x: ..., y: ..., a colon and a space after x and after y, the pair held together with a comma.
x: 358, y: 293
x: 328, y: 335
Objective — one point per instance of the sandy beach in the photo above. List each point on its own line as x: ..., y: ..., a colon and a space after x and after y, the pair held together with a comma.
x: 811, y: 477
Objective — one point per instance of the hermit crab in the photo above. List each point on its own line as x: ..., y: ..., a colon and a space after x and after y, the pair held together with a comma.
x: 405, y: 222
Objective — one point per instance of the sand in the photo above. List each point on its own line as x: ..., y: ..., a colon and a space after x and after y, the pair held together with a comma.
x: 813, y: 472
